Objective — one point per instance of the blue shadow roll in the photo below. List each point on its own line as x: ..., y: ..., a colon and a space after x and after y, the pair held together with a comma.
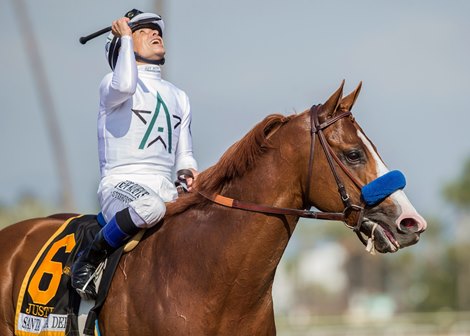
x: 382, y: 187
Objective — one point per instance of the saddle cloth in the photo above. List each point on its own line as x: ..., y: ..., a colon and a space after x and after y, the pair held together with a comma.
x: 47, y: 304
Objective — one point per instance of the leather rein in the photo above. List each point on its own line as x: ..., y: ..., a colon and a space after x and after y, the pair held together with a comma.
x: 349, y: 207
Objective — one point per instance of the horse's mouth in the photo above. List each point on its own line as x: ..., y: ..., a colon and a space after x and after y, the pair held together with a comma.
x: 382, y: 238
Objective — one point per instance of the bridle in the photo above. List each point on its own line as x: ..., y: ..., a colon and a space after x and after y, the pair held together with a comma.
x: 349, y: 208
x: 317, y: 130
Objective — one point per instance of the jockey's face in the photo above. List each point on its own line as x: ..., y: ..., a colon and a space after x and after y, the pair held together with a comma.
x: 148, y: 44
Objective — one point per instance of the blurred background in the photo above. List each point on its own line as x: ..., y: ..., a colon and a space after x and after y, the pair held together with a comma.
x: 238, y: 62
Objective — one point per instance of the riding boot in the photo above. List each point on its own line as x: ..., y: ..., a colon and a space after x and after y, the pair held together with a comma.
x: 86, y: 264
x: 112, y: 236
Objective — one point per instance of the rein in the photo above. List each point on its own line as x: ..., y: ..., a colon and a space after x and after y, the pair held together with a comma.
x: 316, y: 130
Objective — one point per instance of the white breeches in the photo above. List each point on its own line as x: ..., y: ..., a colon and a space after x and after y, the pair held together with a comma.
x: 146, y: 206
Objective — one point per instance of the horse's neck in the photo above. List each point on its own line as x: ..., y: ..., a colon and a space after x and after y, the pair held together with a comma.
x: 228, y: 255
x: 252, y: 243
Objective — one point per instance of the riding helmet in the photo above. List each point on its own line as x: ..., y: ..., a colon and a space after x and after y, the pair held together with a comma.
x: 138, y: 20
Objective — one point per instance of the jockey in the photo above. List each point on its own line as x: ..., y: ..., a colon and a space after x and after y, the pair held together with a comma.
x: 143, y: 136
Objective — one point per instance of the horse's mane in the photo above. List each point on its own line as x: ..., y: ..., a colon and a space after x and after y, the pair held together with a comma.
x: 236, y: 161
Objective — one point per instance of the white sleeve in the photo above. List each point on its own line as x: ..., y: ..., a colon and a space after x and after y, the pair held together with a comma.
x: 123, y: 82
x: 184, y: 151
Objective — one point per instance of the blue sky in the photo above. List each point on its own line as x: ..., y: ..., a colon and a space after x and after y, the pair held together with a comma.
x: 238, y: 62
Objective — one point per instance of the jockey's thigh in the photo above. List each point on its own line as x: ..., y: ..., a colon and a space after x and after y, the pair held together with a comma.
x: 146, y: 207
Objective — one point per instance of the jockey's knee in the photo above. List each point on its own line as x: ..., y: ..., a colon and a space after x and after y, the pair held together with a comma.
x: 147, y: 211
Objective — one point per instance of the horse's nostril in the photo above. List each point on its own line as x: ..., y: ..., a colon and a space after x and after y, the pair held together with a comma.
x: 410, y: 225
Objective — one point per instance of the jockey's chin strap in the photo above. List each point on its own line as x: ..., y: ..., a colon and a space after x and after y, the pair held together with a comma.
x: 349, y: 208
x: 148, y: 60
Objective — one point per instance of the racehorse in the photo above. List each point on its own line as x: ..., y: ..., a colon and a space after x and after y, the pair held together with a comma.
x: 209, y: 266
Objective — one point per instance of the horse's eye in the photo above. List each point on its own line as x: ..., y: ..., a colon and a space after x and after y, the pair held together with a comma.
x: 353, y: 156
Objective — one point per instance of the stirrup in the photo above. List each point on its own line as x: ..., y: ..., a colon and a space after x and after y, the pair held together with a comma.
x: 82, y: 291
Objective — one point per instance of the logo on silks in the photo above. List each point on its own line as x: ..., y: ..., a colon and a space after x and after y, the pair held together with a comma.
x: 162, y: 138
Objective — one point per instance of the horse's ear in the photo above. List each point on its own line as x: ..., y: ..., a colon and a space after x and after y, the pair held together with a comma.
x: 332, y: 104
x: 347, y: 102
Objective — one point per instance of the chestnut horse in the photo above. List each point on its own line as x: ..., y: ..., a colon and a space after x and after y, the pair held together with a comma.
x: 208, y: 267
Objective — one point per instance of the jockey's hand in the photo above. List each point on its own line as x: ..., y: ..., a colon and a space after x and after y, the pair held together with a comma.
x: 120, y: 27
x: 190, y: 180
